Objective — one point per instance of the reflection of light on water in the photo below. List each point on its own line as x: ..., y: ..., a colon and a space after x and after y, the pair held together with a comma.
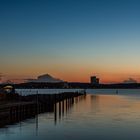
x: 89, y: 117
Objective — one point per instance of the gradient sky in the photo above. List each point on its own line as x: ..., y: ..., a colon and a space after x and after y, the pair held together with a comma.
x: 70, y: 39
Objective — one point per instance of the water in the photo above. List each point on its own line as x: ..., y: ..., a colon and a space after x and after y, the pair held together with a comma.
x: 98, y: 116
x: 93, y: 91
x: 44, y: 91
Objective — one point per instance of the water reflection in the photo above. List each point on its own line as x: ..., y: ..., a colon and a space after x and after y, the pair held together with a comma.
x: 95, y: 117
x: 62, y: 108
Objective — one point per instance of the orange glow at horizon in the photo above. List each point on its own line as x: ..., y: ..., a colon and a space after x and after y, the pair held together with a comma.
x: 75, y: 77
x: 72, y: 71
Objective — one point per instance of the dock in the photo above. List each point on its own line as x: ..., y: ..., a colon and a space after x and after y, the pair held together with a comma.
x: 29, y: 106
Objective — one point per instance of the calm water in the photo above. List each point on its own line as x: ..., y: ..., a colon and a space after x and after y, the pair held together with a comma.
x: 91, y: 91
x: 93, y: 117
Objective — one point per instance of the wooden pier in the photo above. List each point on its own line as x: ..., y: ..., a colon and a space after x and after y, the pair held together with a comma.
x: 31, y: 105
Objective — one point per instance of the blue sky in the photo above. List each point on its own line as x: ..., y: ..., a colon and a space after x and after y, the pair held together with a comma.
x: 63, y: 37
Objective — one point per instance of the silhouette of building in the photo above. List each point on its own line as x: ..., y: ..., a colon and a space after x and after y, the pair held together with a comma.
x: 94, y: 80
x: 46, y: 78
x: 7, y: 88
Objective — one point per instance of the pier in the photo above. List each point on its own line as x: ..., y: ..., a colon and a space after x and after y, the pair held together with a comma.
x: 29, y: 106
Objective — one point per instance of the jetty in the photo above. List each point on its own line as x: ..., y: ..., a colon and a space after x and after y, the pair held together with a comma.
x: 16, y: 108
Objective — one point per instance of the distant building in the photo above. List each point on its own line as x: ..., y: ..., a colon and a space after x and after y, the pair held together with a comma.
x: 46, y: 78
x: 94, y: 80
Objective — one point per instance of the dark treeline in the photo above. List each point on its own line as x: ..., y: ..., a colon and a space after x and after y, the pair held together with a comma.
x: 76, y: 85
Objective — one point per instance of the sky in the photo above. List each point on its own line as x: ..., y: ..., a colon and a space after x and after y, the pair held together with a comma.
x: 70, y: 39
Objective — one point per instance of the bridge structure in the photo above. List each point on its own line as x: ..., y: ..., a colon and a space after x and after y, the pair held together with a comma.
x: 7, y: 88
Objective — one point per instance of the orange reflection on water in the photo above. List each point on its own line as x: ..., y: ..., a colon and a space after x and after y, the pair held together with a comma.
x: 107, y: 108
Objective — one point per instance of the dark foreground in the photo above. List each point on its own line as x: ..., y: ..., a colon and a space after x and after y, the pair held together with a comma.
x: 15, y: 108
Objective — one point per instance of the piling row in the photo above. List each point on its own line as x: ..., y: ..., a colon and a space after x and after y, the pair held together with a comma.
x: 31, y: 105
